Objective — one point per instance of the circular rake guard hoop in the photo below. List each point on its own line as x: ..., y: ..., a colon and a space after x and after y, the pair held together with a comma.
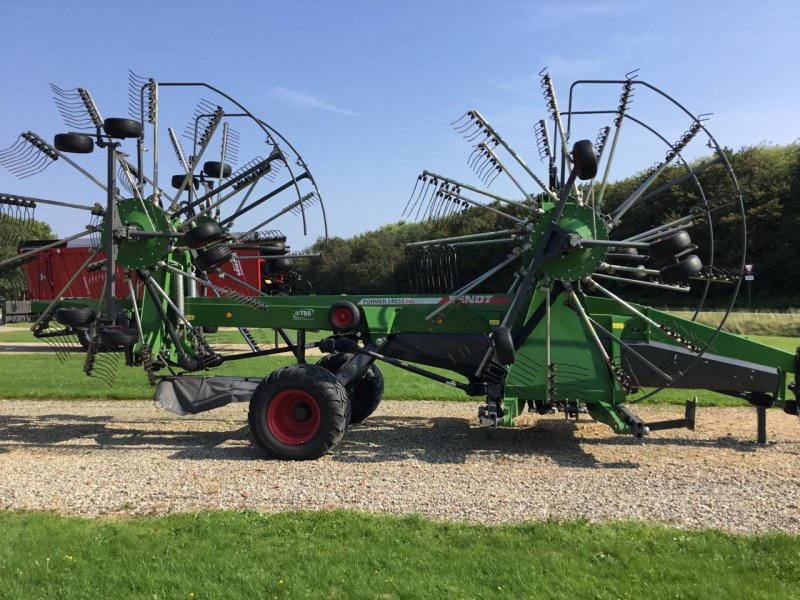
x: 183, y: 185
x: 581, y: 247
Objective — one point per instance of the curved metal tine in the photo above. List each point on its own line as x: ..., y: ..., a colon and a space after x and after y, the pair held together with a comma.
x: 134, y: 171
x: 430, y: 190
x: 231, y: 182
x: 296, y: 205
x: 499, y: 139
x: 543, y: 144
x: 75, y: 103
x: 25, y: 158
x: 477, y: 155
x: 622, y: 110
x: 471, y: 188
x: 675, y: 151
x: 130, y: 182
x: 494, y: 175
x: 455, y: 298
x: 649, y: 284
x: 442, y: 201
x: 214, y: 121
x: 457, y: 123
x: 476, y: 135
x: 411, y: 197
x: 555, y: 113
x: 490, y: 209
x: 265, y: 169
x: 437, y: 206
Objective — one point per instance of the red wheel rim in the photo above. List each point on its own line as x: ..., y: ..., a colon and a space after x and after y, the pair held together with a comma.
x: 342, y: 317
x: 293, y: 417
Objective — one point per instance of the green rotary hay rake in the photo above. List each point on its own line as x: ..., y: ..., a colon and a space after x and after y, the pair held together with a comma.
x: 566, y: 334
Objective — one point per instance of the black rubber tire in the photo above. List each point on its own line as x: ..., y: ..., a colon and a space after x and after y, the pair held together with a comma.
x: 177, y: 181
x: 272, y: 248
x: 117, y: 336
x: 314, y: 384
x: 210, y: 328
x: 277, y: 265
x: 584, y: 159
x: 356, y: 319
x: 365, y: 391
x: 213, y: 257
x: 75, y: 317
x: 76, y: 143
x: 503, y: 345
x: 203, y: 235
x: 122, y: 128
x: 681, y: 271
x: 214, y: 168
x: 670, y: 245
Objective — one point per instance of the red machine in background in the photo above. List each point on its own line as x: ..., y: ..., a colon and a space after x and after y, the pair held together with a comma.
x: 267, y: 269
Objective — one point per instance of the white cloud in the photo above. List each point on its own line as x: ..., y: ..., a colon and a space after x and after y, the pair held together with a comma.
x: 303, y: 99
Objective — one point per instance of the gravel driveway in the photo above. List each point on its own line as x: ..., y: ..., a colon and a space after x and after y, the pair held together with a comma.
x: 130, y: 457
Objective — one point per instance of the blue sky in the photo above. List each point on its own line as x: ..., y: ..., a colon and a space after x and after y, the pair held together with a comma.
x: 366, y: 90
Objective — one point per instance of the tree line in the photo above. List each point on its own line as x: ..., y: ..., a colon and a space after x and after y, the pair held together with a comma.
x: 378, y: 261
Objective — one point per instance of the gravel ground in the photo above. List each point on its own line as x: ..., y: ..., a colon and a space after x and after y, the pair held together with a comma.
x: 130, y: 457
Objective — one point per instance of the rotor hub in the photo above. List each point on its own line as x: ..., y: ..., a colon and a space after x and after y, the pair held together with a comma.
x: 144, y: 216
x: 578, y: 261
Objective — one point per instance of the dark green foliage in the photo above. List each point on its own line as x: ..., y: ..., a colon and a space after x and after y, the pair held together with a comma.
x: 13, y: 231
x: 769, y: 176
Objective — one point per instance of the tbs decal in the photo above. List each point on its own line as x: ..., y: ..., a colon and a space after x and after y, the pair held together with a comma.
x: 302, y: 314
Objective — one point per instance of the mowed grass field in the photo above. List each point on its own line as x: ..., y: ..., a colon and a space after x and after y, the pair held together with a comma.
x: 346, y: 555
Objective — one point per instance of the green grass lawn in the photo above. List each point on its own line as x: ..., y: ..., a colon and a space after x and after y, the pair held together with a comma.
x: 350, y: 555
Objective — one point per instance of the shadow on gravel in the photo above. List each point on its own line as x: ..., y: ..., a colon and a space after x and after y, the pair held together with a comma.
x: 724, y: 442
x: 454, y: 440
x: 57, y: 431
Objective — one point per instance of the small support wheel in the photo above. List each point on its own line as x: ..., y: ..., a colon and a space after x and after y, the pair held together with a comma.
x: 122, y: 128
x: 76, y: 143
x: 503, y: 345
x: 584, y: 159
x: 344, y: 317
x: 365, y: 391
x: 115, y: 336
x: 177, y: 181
x: 298, y: 413
x: 682, y: 270
x: 670, y: 245
x: 277, y: 248
x: 203, y: 234
x: 75, y: 317
x: 216, y: 169
x: 213, y: 257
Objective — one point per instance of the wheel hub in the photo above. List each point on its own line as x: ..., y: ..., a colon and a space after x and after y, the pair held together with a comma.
x: 293, y: 417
